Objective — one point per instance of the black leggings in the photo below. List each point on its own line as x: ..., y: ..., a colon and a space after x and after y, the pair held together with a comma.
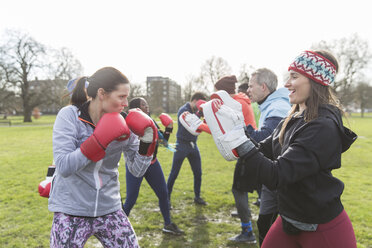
x: 264, y: 223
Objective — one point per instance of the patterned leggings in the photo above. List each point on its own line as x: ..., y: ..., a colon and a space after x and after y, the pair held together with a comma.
x: 112, y: 230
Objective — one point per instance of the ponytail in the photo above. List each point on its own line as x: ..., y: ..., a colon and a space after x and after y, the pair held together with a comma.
x: 79, y: 94
x: 85, y: 88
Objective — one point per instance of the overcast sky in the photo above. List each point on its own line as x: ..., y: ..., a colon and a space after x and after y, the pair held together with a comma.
x: 173, y: 38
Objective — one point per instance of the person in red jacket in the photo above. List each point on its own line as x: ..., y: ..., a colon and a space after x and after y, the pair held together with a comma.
x: 228, y: 84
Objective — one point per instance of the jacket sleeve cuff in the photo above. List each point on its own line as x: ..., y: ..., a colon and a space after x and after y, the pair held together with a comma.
x: 245, y: 148
x: 167, y: 132
x: 143, y: 147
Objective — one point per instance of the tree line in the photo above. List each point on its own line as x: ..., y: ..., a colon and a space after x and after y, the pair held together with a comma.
x: 34, y: 75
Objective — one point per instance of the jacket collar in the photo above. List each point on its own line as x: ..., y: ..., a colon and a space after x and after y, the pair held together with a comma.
x: 85, y: 117
x: 84, y: 114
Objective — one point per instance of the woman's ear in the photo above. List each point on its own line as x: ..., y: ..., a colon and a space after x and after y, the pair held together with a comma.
x: 265, y: 88
x: 101, y: 93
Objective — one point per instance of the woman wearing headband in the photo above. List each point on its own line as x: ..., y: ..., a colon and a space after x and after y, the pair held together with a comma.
x: 298, y: 159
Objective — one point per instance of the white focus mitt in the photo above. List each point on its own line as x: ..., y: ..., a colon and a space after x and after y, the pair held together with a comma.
x: 226, y: 125
x: 227, y: 100
x: 191, y: 122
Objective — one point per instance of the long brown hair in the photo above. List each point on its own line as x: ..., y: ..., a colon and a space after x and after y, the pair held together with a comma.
x: 107, y: 78
x: 319, y: 95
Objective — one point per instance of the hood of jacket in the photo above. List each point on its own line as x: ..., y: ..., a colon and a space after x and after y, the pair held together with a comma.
x: 243, y: 97
x: 348, y: 137
x: 278, y: 96
x: 276, y: 105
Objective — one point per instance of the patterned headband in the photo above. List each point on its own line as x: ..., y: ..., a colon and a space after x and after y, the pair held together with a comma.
x: 314, y: 66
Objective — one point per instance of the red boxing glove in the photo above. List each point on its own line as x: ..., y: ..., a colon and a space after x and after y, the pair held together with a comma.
x: 204, y: 128
x: 143, y: 126
x: 198, y: 103
x: 44, y: 186
x: 165, y: 119
x: 111, y: 126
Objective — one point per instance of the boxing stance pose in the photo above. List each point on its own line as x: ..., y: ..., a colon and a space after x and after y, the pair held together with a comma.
x: 274, y: 106
x: 89, y: 137
x: 153, y: 175
x: 297, y: 158
x: 187, y: 147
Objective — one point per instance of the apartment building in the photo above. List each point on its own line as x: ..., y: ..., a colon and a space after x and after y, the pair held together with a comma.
x: 163, y: 95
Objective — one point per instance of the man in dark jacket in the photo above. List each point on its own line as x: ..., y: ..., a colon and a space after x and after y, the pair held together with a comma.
x: 274, y: 105
x: 187, y: 148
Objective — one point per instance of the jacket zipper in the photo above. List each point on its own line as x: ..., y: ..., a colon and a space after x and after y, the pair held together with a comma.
x: 98, y: 183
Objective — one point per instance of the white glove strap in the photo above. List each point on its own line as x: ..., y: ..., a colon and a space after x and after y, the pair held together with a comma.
x: 148, y: 136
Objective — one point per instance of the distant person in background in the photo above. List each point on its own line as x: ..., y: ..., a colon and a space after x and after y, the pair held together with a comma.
x: 244, y: 212
x: 89, y: 138
x: 228, y: 84
x: 186, y: 147
x: 242, y: 88
x: 154, y: 174
x: 274, y: 106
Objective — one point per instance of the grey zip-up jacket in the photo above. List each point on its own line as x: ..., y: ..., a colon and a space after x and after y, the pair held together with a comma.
x: 82, y: 187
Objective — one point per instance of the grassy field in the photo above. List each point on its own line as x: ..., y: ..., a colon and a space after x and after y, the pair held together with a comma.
x: 26, y: 151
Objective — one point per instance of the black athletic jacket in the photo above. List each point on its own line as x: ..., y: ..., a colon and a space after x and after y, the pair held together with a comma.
x: 300, y: 170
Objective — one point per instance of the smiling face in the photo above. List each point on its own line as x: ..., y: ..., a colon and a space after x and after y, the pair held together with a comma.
x: 299, y: 88
x: 116, y: 100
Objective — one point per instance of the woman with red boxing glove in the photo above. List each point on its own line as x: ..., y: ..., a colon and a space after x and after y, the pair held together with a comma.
x: 154, y: 174
x: 89, y: 137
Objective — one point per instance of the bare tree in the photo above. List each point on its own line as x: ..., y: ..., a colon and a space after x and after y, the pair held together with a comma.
x: 212, y: 70
x: 21, y: 57
x: 23, y: 61
x: 137, y: 90
x: 192, y: 85
x: 7, y: 97
x: 354, y: 56
x: 9, y: 101
x: 64, y: 65
x: 363, y: 97
x: 244, y: 73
